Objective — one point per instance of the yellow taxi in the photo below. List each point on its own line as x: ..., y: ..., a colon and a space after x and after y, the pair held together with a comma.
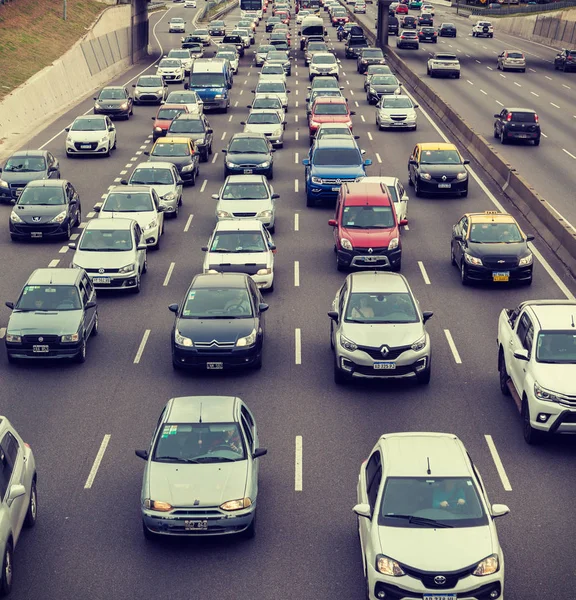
x: 181, y: 152
x: 439, y: 169
x: 490, y: 246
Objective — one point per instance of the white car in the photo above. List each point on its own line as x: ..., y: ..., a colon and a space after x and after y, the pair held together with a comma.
x: 177, y: 25
x: 323, y: 63
x: 427, y: 9
x: 396, y: 192
x: 445, y: 64
x: 19, y: 501
x: 138, y: 202
x: 396, y: 111
x: 483, y: 29
x: 244, y: 246
x: 264, y: 101
x: 164, y: 179
x: 246, y: 36
x: 232, y: 57
x: 267, y: 121
x: 91, y: 134
x: 275, y: 70
x: 276, y: 88
x: 425, y: 522
x: 188, y: 98
x: 247, y: 197
x: 334, y: 130
x: 171, y: 70
x: 203, y: 35
x: 190, y: 4
x: 301, y: 15
x: 182, y: 54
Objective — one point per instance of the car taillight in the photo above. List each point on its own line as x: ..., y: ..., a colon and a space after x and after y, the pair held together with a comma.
x: 509, y: 117
x: 535, y: 118
x: 568, y: 59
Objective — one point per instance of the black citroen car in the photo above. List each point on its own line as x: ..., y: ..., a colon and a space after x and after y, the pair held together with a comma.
x: 219, y: 324
x: 23, y: 167
x: 249, y: 154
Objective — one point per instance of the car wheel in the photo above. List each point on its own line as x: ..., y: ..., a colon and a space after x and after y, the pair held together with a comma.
x: 107, y: 153
x: 68, y: 230
x: 81, y: 356
x: 32, y: 512
x: 204, y: 156
x: 531, y: 436
x: 457, y: 75
x: 503, y: 139
x: 537, y: 142
x: 463, y: 274
x: 96, y: 326
x: 138, y: 287
x: 258, y: 362
x: 503, y: 375
x: 176, y: 211
x: 78, y: 217
x: 495, y: 133
x: 156, y: 246
x: 452, y: 256
x: 6, y: 579
x: 115, y: 143
x: 417, y: 190
x: 271, y: 173
x: 339, y: 377
x: 145, y: 266
x: 193, y: 180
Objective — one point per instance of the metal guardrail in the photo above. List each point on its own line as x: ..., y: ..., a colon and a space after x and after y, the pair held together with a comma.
x: 517, y: 9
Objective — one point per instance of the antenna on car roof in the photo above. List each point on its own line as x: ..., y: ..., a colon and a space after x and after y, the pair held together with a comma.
x: 573, y: 320
x: 200, y: 419
x: 428, y: 471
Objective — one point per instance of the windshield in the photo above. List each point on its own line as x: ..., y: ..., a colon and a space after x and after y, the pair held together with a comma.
x: 272, y: 70
x: 322, y: 131
x: 199, y: 443
x: 556, y: 347
x: 427, y: 501
x: 186, y: 126
x: 330, y: 109
x: 24, y: 164
x: 264, y: 49
x: 231, y: 56
x: 271, y: 86
x: 42, y: 196
x: 128, y: 202
x: 150, y: 81
x: 245, y: 191
x: 147, y: 176
x: 313, y: 30
x: 273, y: 102
x: 170, y: 149
x: 108, y: 94
x: 396, y: 102
x: 182, y: 98
x: 49, y: 297
x: 383, y: 80
x: 178, y: 54
x: 238, y: 241
x: 367, y: 217
x: 337, y: 157
x: 263, y: 118
x: 317, y: 47
x: 372, y: 53
x: 275, y: 55
x: 214, y: 303
x: 495, y: 233
x: 394, y: 307
x: 327, y: 83
x: 207, y: 80
x: 88, y: 124
x: 324, y: 60
x: 329, y: 93
x: 375, y: 69
x: 95, y: 240
x: 248, y: 146
x: 440, y: 157
x: 169, y: 63
x: 200, y: 32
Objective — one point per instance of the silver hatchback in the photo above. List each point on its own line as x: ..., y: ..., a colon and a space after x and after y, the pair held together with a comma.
x: 201, y: 473
x: 512, y: 60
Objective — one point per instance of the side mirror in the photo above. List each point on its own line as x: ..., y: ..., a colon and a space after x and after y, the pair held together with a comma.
x: 466, y: 162
x: 153, y: 118
x: 67, y: 129
x: 133, y: 85
x: 333, y: 315
x: 263, y: 307
x: 16, y: 491
x: 426, y: 315
x: 403, y: 222
x: 204, y: 248
x: 362, y: 152
x: 253, y: 91
x: 72, y: 245
x: 209, y: 131
x: 362, y: 510
x: 142, y: 247
x: 10, y: 305
x: 173, y: 308
x: 242, y: 122
x: 367, y: 162
x: 499, y: 510
x: 529, y: 238
x: 97, y: 209
x: 352, y: 112
x: 95, y: 98
x: 215, y: 196
x: 142, y: 454
x: 413, y: 162
x: 522, y: 354
x: 272, y: 247
x: 333, y: 223
x: 146, y: 153
x: 90, y: 304
x: 123, y: 182
x: 496, y: 116
x: 275, y: 196
x: 458, y: 238
x: 306, y: 162
x: 259, y: 452
x: 416, y: 106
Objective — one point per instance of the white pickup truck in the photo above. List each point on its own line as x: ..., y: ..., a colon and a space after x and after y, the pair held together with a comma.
x: 537, y: 365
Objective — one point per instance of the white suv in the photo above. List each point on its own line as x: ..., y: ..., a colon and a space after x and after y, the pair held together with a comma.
x: 18, y: 506
x: 425, y: 523
x: 323, y: 63
x: 483, y: 29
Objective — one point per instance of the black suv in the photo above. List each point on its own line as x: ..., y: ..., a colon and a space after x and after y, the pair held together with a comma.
x: 447, y: 30
x: 234, y: 40
x: 67, y: 302
x: 517, y: 124
x: 23, y: 167
x: 393, y: 25
x: 354, y: 44
x: 565, y: 60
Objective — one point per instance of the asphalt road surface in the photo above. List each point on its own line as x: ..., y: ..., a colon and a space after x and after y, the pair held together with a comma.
x: 88, y: 542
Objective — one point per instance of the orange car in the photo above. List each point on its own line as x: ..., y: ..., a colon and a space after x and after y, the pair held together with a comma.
x: 165, y: 115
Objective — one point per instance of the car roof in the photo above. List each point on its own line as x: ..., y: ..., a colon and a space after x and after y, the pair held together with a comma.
x: 120, y: 87
x: 436, y: 146
x: 330, y: 100
x: 421, y: 454
x: 490, y: 216
x: 53, y: 276
x: 31, y: 153
x: 239, y: 225
x: 554, y: 315
x: 91, y: 116
x: 130, y: 189
x: 154, y: 165
x: 263, y: 111
x: 205, y: 409
x: 230, y: 280
x: 343, y: 126
x: 52, y: 183
x: 187, y: 116
x: 247, y: 135
x: 377, y: 281
x: 171, y: 105
x: 109, y: 224
x: 517, y: 109
x: 367, y: 193
x: 172, y: 140
x: 245, y: 178
x: 336, y: 142
x: 316, y: 54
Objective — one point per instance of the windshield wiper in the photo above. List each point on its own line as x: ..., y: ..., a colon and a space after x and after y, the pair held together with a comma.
x: 418, y: 520
x: 175, y: 459
x: 357, y: 321
x: 216, y: 459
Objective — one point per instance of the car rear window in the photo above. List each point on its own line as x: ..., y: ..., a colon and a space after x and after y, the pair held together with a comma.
x: 515, y: 55
x: 523, y: 117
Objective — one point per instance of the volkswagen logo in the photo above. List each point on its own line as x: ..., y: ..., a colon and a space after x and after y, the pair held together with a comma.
x: 440, y: 580
x: 370, y: 250
x: 444, y: 177
x: 40, y: 339
x: 384, y: 350
x: 36, y: 219
x: 338, y: 181
x: 100, y: 270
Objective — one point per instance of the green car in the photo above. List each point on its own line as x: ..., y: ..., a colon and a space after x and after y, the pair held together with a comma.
x: 415, y: 4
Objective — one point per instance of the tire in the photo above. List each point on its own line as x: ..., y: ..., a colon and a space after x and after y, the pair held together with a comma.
x: 204, y: 156
x: 258, y: 364
x: 271, y: 174
x: 68, y: 231
x: 417, y: 191
x: 537, y: 142
x: 156, y: 246
x: 115, y: 143
x: 410, y: 182
x: 7, y: 570
x: 138, y: 287
x: 464, y: 194
x: 193, y: 182
x: 78, y: 217
x: 495, y: 134
x: 145, y: 267
x: 32, y: 512
x: 151, y: 537
x: 81, y: 356
x: 339, y: 377
x: 452, y: 257
x: 108, y: 151
x: 457, y: 75
x: 531, y: 436
x: 96, y: 326
x: 503, y: 139
x: 503, y: 375
x: 463, y: 277
x: 309, y: 202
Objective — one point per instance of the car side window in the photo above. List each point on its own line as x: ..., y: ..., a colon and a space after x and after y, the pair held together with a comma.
x: 523, y: 326
x: 88, y: 285
x: 137, y: 233
x: 83, y: 293
x: 503, y: 114
x: 342, y: 299
x: 7, y: 460
x: 246, y: 414
x: 248, y: 432
x: 529, y: 339
x: 155, y: 199
x: 401, y: 191
x: 373, y: 478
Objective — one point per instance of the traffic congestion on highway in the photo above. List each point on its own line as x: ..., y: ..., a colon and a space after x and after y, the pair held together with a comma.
x: 270, y: 330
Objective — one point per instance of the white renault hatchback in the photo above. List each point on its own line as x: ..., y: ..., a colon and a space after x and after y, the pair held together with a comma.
x: 426, y: 525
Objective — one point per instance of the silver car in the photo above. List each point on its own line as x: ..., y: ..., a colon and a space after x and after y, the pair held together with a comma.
x: 267, y: 121
x: 190, y: 98
x: 261, y: 54
x: 377, y: 329
x: 203, y: 35
x: 276, y: 88
x: 164, y: 178
x: 201, y: 473
x: 396, y: 112
x: 185, y: 58
x: 150, y: 89
x: 512, y: 60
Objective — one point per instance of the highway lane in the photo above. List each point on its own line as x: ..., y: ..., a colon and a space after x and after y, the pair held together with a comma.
x: 312, y: 532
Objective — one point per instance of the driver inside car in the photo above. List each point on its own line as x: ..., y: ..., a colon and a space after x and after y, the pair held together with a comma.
x: 230, y: 438
x: 449, y: 494
x: 239, y: 303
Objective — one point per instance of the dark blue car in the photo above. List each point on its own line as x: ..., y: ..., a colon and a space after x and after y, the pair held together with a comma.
x: 332, y: 161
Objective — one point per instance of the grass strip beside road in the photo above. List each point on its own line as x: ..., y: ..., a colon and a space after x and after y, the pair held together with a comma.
x: 33, y: 35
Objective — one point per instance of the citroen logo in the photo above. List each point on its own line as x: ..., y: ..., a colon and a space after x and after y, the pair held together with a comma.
x: 443, y: 177
x: 40, y: 339
x: 370, y: 250
x: 384, y: 350
x: 35, y: 218
x: 100, y: 270
x: 440, y: 580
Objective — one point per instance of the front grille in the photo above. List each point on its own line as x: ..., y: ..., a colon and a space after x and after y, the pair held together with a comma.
x: 244, y: 214
x: 35, y: 339
x: 500, y: 263
x: 375, y: 251
x: 398, y: 117
x: 214, y: 345
x: 79, y: 145
x: 376, y: 354
x: 336, y: 181
x: 28, y: 228
x: 148, y: 97
x: 103, y: 272
x: 427, y: 578
x: 444, y: 179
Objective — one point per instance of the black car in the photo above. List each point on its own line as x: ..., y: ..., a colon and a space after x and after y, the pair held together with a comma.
x: 219, y: 324
x: 217, y: 28
x: 23, y: 167
x: 425, y: 20
x: 369, y: 56
x: 249, y: 154
x: 236, y: 41
x: 375, y: 70
x: 437, y: 168
x: 47, y: 208
x: 195, y: 127
x: 428, y: 34
x: 490, y: 247
x: 517, y: 124
x: 393, y: 24
x: 180, y: 154
x: 565, y: 60
x: 447, y: 30
x: 409, y: 22
x: 354, y: 44
x: 191, y: 40
x: 54, y: 316
x: 114, y: 101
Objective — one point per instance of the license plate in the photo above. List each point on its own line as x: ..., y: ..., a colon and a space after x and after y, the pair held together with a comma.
x: 248, y: 171
x: 85, y: 146
x: 38, y: 348
x: 196, y: 525
x: 444, y: 185
x: 439, y: 596
x: 36, y: 234
x: 214, y: 365
x: 371, y: 259
x: 521, y: 135
x: 101, y: 280
x: 501, y: 276
x: 385, y: 365
x: 336, y: 189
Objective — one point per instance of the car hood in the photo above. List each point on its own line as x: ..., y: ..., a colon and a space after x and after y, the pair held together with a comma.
x: 192, y: 136
x: 515, y: 250
x: 209, y: 484
x: 344, y: 171
x: 366, y: 238
x: 236, y: 261
x: 22, y: 177
x: 377, y: 334
x: 112, y: 103
x: 442, y: 550
x: 221, y: 330
x: 142, y: 218
x: 384, y: 87
x: 47, y: 323
x: 241, y: 158
x: 87, y: 136
x: 145, y: 89
x: 38, y: 214
x: 263, y: 128
x: 104, y: 260
x: 252, y: 206
x: 164, y: 123
x: 330, y: 118
x: 162, y: 190
x: 557, y: 378
x: 435, y: 170
x: 282, y: 95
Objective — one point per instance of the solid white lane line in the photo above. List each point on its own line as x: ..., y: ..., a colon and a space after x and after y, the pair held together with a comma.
x: 424, y: 273
x: 214, y: 157
x: 298, y: 346
x: 484, y: 92
x: 54, y: 263
x: 2, y: 332
x: 97, y: 461
x: 296, y: 185
x: 369, y: 136
x: 347, y: 82
x: 298, y: 464
x: 188, y: 223
x: 295, y: 158
x: 63, y: 250
x: 223, y: 136
x: 363, y: 119
x: 169, y: 274
x: 535, y: 94
x: 296, y: 222
x: 498, y: 462
x: 554, y: 105
x: 378, y: 157
x: 296, y: 273
x: 203, y: 185
x: 296, y: 136
x: 477, y: 61
x: 351, y: 92
x: 452, y: 345
x: 142, y: 346
x: 533, y: 71
x: 569, y: 153
x: 75, y: 236
x: 356, y: 103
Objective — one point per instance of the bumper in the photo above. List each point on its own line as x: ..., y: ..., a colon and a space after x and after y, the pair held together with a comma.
x: 151, y: 236
x: 513, y: 66
x: 172, y: 77
x: 360, y: 365
x: 264, y: 282
x: 447, y: 33
x: 268, y: 222
x: 559, y: 418
x: 215, y: 103
x: 407, y: 45
x: 357, y: 259
x: 522, y: 135
x: 473, y: 592
x: 87, y: 148
x: 515, y: 274
x: 29, y: 231
x: 323, y: 193
x: 189, y: 175
x: 158, y: 134
x: 432, y: 187
x: 428, y: 39
x: 148, y: 99
x: 112, y: 112
x: 55, y: 351
x: 113, y: 281
x: 445, y: 72
x: 406, y: 124
x: 247, y: 170
x: 216, y: 360
x: 333, y: 73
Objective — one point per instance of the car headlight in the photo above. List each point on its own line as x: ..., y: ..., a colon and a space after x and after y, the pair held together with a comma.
x: 526, y: 260
x: 157, y: 128
x: 472, y: 260
x: 72, y: 337
x: 267, y: 271
x: 393, y: 243
x: 124, y: 105
x: 188, y: 167
x: 160, y: 91
x: 69, y: 140
x: 264, y: 164
x: 222, y: 214
x: 348, y: 344
x: 217, y: 95
x: 388, y: 566
x: 157, y: 505
x: 152, y: 224
x: 425, y: 176
x: 170, y: 196
x: 237, y: 504
x: 15, y: 218
x: 364, y: 61
x: 182, y: 340
x: 200, y: 141
x: 59, y: 217
x: 419, y: 344
x: 97, y: 105
x: 15, y: 339
x: 488, y: 566
x: 346, y: 243
x: 317, y: 180
x: 462, y: 176
x: 314, y: 124
x: 4, y: 184
x: 386, y: 117
x: 128, y: 268
x: 104, y: 139
x: 248, y: 340
x: 543, y: 394
x: 264, y: 214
